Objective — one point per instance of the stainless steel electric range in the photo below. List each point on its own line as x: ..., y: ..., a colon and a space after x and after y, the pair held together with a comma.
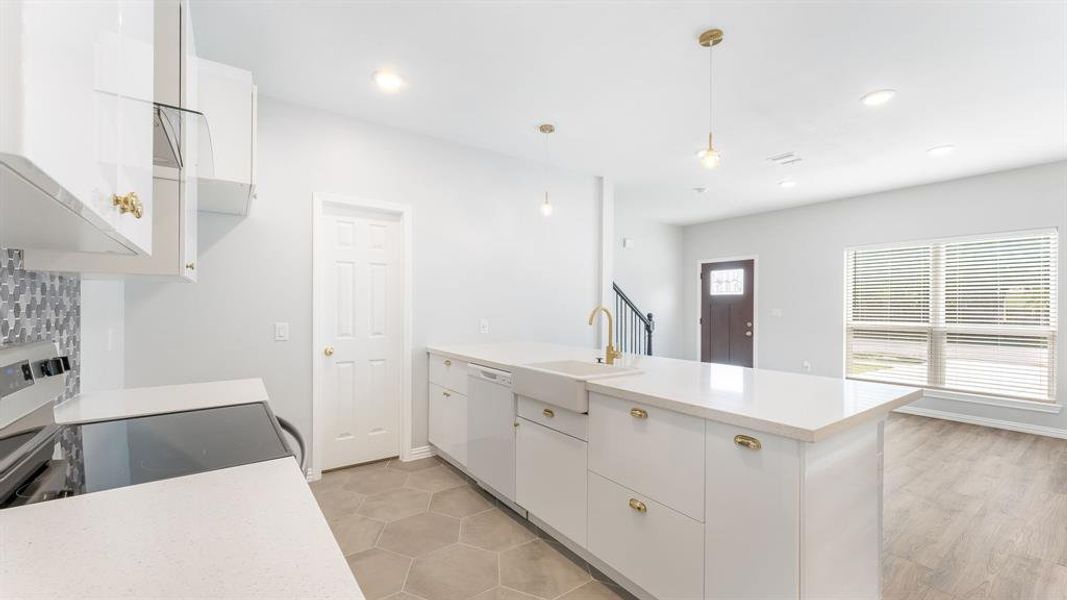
x: 40, y: 460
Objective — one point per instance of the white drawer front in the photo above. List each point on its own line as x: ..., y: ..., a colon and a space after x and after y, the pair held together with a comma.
x: 754, y: 496
x: 656, y: 452
x: 550, y: 478
x: 448, y: 422
x: 563, y: 420
x: 659, y: 549
x: 448, y: 373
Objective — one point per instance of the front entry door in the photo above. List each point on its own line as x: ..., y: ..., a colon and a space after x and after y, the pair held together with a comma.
x: 361, y: 327
x: 727, y: 292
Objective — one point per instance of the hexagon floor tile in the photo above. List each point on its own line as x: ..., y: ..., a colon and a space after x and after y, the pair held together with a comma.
x: 421, y: 531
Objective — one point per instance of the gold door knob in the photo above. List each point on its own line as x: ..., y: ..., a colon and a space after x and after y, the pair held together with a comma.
x: 747, y: 441
x: 190, y: 266
x: 328, y: 350
x: 129, y: 203
x: 638, y: 413
x: 638, y: 505
x: 548, y: 412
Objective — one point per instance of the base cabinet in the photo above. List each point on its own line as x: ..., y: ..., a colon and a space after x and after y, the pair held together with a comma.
x: 550, y: 478
x: 656, y: 547
x: 448, y: 422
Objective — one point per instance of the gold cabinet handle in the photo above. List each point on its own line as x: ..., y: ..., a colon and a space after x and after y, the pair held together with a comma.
x: 638, y: 413
x: 190, y: 266
x: 548, y: 412
x: 446, y: 394
x: 129, y: 203
x: 448, y: 363
x: 747, y: 441
x: 328, y: 350
x: 638, y: 505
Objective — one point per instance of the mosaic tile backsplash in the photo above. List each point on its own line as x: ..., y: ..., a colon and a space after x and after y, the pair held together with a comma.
x: 38, y: 307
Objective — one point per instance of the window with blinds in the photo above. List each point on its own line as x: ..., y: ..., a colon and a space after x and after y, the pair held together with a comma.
x: 974, y: 315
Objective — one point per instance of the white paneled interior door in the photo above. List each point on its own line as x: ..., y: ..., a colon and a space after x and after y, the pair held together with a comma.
x: 362, y: 335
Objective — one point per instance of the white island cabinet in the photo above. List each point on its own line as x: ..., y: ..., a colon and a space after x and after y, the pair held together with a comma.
x: 76, y: 113
x: 700, y: 480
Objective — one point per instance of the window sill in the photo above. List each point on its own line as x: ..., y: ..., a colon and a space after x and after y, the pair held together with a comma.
x: 1030, y: 405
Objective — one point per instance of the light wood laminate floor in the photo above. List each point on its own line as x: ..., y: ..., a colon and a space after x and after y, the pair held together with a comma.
x: 973, y: 512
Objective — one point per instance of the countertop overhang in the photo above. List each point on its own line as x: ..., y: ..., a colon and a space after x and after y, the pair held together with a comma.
x: 808, y: 408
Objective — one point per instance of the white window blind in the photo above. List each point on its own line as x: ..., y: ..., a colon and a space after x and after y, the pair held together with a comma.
x: 974, y: 315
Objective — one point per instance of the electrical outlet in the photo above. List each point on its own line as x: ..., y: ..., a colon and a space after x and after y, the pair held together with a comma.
x: 806, y: 366
x: 776, y: 312
x: 281, y: 332
x: 483, y: 326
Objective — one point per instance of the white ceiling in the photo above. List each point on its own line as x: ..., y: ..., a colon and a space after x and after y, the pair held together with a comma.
x: 626, y: 85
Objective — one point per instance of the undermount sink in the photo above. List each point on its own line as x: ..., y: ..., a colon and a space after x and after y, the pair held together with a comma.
x: 562, y: 382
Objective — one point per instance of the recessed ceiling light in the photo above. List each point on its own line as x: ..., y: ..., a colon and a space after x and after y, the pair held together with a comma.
x: 787, y: 183
x: 939, y: 151
x: 878, y: 97
x: 389, y: 81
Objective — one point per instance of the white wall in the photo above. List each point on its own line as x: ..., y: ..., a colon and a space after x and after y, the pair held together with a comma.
x: 650, y: 273
x: 102, y: 335
x: 801, y: 262
x: 481, y: 249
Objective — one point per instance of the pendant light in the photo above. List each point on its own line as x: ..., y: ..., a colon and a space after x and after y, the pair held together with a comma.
x: 709, y: 157
x: 546, y: 206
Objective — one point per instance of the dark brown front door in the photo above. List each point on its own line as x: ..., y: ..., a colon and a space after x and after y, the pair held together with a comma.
x: 726, y: 297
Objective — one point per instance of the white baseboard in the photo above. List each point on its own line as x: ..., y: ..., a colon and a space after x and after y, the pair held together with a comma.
x: 421, y: 452
x: 1053, y: 432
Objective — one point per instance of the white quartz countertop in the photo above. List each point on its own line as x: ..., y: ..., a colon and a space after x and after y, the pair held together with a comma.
x: 803, y: 407
x: 252, y: 531
x: 134, y: 402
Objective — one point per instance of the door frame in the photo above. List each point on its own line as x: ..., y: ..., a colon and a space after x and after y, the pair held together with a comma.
x: 755, y: 301
x: 404, y: 212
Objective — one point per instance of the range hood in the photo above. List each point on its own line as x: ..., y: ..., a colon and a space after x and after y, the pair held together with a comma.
x: 182, y: 140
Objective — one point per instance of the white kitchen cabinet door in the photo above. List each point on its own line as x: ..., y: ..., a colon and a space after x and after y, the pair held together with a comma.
x: 448, y: 422
x: 68, y: 122
x: 550, y: 478
x: 491, y: 433
x: 655, y: 547
x: 651, y: 450
x: 753, y: 518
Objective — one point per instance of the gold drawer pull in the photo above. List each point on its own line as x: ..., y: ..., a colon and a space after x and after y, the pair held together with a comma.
x: 129, y: 203
x: 446, y: 394
x: 448, y: 363
x: 638, y: 505
x: 548, y: 412
x: 638, y: 413
x: 190, y: 266
x: 747, y: 441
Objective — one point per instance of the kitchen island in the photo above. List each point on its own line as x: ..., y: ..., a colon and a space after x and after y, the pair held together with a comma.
x: 682, y: 479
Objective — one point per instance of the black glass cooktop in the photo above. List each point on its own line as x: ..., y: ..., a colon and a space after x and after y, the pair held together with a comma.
x: 112, y: 454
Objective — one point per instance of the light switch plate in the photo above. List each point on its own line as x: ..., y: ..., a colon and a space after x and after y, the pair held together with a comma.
x: 281, y: 332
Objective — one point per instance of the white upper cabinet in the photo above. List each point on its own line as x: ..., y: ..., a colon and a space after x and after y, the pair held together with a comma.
x: 227, y: 97
x: 76, y: 125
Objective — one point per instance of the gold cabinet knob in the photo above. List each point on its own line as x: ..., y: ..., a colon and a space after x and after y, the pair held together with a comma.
x: 190, y: 266
x: 748, y: 333
x: 548, y: 412
x: 328, y: 350
x: 638, y: 413
x: 446, y: 394
x: 747, y: 441
x: 448, y: 363
x: 129, y: 203
x: 638, y: 505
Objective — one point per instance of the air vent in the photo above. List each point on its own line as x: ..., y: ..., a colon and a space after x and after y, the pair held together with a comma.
x: 785, y: 159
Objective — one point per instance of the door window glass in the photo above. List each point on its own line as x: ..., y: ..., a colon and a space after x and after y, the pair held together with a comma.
x: 728, y: 282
